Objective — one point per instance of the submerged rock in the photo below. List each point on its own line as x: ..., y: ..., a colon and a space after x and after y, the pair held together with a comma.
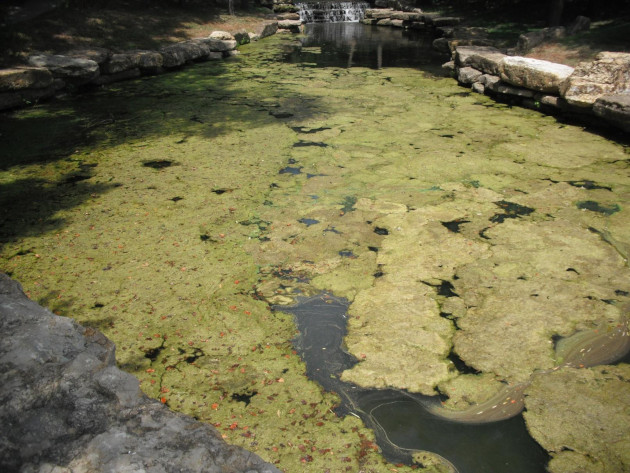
x: 65, y: 406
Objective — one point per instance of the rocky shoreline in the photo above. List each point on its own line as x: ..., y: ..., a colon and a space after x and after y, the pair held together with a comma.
x: 66, y: 407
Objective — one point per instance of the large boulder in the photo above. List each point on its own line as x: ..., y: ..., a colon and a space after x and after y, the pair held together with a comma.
x: 535, y: 74
x: 73, y: 70
x: 98, y: 55
x: 615, y: 109
x: 609, y: 74
x: 218, y: 45
x: 468, y: 75
x: 483, y: 58
x: 65, y: 406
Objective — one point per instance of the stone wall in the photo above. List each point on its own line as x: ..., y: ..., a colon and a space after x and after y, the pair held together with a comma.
x: 47, y: 75
x: 65, y: 406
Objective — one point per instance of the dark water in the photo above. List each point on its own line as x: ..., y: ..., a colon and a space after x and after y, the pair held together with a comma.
x: 400, y: 422
x: 359, y: 45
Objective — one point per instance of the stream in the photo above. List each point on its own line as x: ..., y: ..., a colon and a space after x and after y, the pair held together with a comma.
x: 447, y: 243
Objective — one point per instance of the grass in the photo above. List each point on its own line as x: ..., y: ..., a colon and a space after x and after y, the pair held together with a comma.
x: 119, y: 25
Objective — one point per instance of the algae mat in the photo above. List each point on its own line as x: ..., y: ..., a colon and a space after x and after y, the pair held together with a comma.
x: 170, y: 212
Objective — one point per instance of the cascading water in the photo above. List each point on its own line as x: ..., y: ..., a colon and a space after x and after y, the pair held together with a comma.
x: 331, y: 12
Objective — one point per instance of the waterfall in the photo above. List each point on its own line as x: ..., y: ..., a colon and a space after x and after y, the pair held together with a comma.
x: 331, y: 12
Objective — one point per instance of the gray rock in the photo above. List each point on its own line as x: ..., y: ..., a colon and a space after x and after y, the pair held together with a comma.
x: 286, y: 16
x: 609, y: 74
x: 550, y: 101
x: 242, y: 36
x: 532, y: 39
x: 579, y: 25
x: 66, y: 407
x: 118, y: 63
x: 449, y: 68
x: 369, y: 21
x: 385, y: 22
x: 614, y: 109
x: 218, y: 45
x: 224, y: 35
x: 489, y: 80
x: 468, y: 75
x: 267, y: 28
x: 505, y: 89
x: 484, y: 58
x: 149, y: 62
x: 73, y: 70
x: 407, y: 16
x: 18, y: 78
x: 478, y: 87
x: 441, y: 44
x: 535, y: 74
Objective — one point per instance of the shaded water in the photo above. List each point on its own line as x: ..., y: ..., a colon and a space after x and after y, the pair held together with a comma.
x: 170, y: 212
x: 401, y: 423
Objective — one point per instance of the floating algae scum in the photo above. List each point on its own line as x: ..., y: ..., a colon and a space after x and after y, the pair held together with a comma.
x: 469, y: 239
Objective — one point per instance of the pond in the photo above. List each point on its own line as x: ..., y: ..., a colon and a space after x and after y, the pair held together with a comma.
x: 467, y: 237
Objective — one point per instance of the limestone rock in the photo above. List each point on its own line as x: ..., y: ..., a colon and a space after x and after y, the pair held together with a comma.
x: 149, y: 62
x: 614, y: 109
x: 18, y: 78
x: 76, y: 71
x: 478, y: 87
x: 65, y: 406
x: 378, y: 13
x: 484, y: 58
x: 468, y: 75
x: 268, y: 28
x: 118, y: 63
x: 535, y: 74
x: 489, y: 80
x: 609, y: 74
x: 295, y: 26
x: 218, y: 45
x: 223, y: 35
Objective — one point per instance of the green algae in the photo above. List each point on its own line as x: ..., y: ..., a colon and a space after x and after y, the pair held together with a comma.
x: 177, y: 265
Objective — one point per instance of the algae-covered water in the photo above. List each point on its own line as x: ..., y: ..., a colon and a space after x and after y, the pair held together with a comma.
x: 171, y: 212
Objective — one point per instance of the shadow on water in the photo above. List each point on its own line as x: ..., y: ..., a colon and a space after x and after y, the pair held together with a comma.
x: 401, y: 424
x: 359, y: 45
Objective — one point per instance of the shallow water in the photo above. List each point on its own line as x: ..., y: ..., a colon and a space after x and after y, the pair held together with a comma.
x: 419, y: 184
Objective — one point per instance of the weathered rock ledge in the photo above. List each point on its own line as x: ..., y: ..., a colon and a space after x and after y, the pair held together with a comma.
x: 48, y: 75
x: 599, y: 89
x: 66, y: 408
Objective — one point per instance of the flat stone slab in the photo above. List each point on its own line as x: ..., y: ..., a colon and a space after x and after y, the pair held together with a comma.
x: 535, y: 74
x: 72, y: 69
x: 483, y: 58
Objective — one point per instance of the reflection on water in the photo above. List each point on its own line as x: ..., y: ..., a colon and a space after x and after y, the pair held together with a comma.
x: 359, y: 45
x: 399, y: 419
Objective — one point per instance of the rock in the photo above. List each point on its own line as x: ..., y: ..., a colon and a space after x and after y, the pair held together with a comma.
x: 75, y: 71
x: 590, y: 435
x: 65, y: 406
x: 502, y: 88
x: 532, y: 39
x: 149, y: 62
x: 294, y: 26
x: 218, y: 45
x: 267, y: 28
x: 478, y: 87
x: 442, y: 21
x: 449, y: 68
x: 118, y: 63
x: 18, y: 78
x: 488, y: 80
x: 288, y: 16
x: 484, y: 58
x: 223, y: 35
x: 441, y: 44
x: 178, y: 54
x: 550, y: 101
x: 614, y: 109
x: 98, y: 55
x: 369, y: 21
x: 468, y: 75
x: 384, y: 22
x: 535, y: 74
x: 609, y: 74
x: 378, y: 13
x: 285, y: 8
x: 579, y: 25
x: 407, y: 16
